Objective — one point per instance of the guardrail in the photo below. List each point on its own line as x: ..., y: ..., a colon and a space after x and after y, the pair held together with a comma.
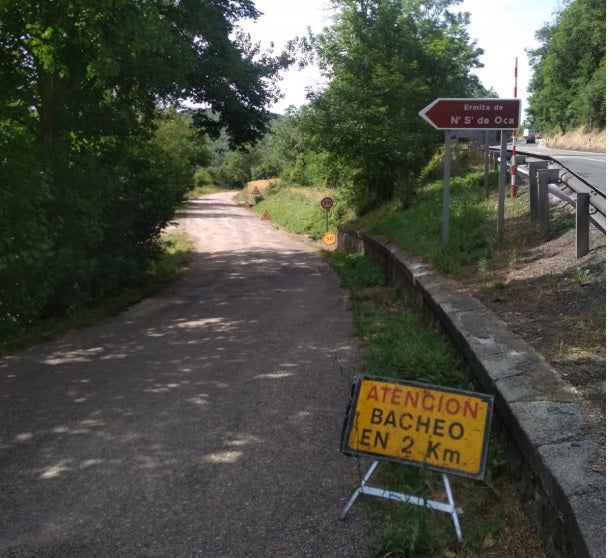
x: 589, y: 201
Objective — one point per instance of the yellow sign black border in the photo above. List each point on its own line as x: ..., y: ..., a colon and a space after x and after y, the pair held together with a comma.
x: 445, y: 400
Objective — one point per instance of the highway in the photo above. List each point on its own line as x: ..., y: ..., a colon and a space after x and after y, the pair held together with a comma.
x: 587, y: 165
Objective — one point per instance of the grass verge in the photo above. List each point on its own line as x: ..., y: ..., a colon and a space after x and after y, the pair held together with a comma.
x: 401, y: 345
x: 298, y: 209
x: 419, y: 229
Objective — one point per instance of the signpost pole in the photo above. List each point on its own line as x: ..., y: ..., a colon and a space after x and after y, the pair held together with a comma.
x: 446, y: 197
x: 513, y: 168
x: 329, y: 238
x: 502, y: 173
x: 486, y: 162
x: 472, y: 114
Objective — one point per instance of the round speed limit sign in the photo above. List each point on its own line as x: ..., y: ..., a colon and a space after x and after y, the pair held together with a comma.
x: 329, y: 239
x: 327, y: 203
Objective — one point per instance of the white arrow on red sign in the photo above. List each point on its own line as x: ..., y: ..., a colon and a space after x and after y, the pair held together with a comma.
x: 473, y: 114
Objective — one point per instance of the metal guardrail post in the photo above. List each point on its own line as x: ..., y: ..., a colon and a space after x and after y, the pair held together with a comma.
x: 544, y: 202
x: 566, y: 186
x: 597, y: 198
x: 520, y: 160
x: 534, y: 166
x: 544, y: 178
x: 582, y: 224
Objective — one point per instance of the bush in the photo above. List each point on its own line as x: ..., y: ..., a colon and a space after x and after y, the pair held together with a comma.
x: 203, y: 178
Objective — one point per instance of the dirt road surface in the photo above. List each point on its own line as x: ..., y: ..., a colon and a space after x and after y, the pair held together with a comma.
x: 204, y: 422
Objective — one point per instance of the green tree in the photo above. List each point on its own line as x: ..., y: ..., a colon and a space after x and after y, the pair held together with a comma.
x: 89, y: 175
x: 281, y: 148
x: 185, y: 149
x: 568, y: 82
x: 238, y: 167
x: 385, y: 60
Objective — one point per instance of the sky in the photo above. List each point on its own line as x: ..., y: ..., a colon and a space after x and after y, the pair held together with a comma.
x: 502, y: 28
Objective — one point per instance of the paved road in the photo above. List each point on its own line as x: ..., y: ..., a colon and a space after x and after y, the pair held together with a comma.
x: 204, y: 422
x: 587, y: 165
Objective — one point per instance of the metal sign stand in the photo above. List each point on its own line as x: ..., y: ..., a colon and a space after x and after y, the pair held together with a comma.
x: 365, y: 488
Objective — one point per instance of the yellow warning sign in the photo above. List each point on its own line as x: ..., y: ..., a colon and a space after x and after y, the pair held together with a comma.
x: 439, y: 428
x: 329, y: 239
x: 255, y: 191
x: 266, y: 216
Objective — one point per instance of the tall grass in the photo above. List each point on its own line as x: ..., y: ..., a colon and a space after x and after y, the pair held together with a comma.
x: 419, y: 228
x: 298, y: 209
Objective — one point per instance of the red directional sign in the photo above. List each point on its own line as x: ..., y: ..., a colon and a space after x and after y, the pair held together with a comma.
x: 473, y: 114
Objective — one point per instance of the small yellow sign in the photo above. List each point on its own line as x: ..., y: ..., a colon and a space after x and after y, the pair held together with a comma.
x: 329, y: 239
x: 439, y: 428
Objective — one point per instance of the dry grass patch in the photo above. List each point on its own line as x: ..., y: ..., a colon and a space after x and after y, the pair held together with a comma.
x: 580, y: 139
x: 262, y: 185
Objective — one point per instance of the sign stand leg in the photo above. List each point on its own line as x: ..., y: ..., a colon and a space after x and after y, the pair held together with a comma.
x: 365, y: 488
x: 455, y: 511
x: 361, y: 489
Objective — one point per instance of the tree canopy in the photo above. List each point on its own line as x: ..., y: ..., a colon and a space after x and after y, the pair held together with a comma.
x: 89, y: 171
x: 93, y: 68
x: 568, y: 85
x: 384, y: 61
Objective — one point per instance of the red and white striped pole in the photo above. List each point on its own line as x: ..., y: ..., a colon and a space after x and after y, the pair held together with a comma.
x: 513, y: 168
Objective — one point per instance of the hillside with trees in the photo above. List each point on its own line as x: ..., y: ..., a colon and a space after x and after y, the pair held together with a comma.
x: 568, y: 84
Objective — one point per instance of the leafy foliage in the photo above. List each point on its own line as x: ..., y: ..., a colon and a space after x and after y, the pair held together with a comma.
x: 384, y: 61
x: 568, y: 86
x: 94, y: 161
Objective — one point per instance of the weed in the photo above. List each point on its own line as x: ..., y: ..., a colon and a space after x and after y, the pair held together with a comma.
x: 512, y: 259
x: 483, y: 268
x: 355, y: 270
x: 561, y: 221
x: 579, y: 274
x: 552, y: 281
